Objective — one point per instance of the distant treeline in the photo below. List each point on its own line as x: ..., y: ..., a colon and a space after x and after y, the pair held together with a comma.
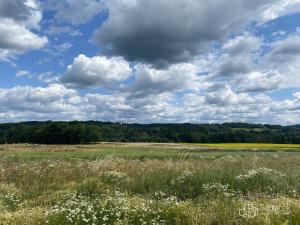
x: 77, y: 132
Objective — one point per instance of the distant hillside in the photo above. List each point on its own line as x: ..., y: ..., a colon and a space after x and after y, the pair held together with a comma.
x: 77, y: 132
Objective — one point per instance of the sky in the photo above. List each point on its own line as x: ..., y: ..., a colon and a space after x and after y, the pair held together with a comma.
x: 141, y: 61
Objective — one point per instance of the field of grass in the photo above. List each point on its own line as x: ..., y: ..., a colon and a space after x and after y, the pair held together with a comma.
x: 133, y: 184
x: 248, y: 145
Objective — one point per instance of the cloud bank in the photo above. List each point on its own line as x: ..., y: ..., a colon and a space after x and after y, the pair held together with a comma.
x: 150, y: 61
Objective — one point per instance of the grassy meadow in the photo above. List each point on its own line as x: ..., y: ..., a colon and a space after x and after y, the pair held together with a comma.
x: 138, y: 183
x: 249, y: 145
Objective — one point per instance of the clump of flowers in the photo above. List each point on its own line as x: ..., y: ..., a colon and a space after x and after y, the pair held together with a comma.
x: 116, y: 208
x: 264, y: 183
x: 165, y: 198
x: 77, y: 209
x: 73, y: 209
x: 262, y: 171
x: 217, y: 190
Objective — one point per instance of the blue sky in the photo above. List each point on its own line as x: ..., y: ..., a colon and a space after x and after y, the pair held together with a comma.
x: 150, y: 61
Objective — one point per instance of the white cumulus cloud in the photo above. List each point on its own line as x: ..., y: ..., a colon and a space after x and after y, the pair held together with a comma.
x: 17, y: 19
x: 96, y: 71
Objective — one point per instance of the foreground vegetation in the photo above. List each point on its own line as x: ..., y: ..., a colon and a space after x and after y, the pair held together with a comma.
x: 147, y: 184
x: 77, y: 132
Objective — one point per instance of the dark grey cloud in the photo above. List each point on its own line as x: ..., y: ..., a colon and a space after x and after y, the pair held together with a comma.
x: 23, y: 12
x: 233, y: 67
x: 165, y: 32
x: 15, y: 9
x: 285, y: 50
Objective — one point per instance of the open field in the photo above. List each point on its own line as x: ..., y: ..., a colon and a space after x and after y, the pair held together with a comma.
x: 248, y: 145
x: 139, y: 183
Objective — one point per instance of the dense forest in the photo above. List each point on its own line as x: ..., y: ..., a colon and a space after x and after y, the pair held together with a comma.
x: 77, y: 132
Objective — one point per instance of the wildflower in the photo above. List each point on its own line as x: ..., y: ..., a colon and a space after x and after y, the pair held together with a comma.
x: 260, y: 171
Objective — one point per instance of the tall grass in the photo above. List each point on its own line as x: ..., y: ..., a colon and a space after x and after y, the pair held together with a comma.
x: 148, y: 185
